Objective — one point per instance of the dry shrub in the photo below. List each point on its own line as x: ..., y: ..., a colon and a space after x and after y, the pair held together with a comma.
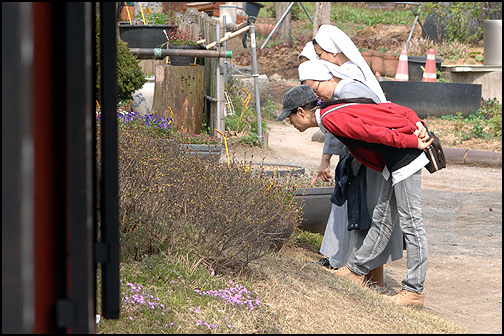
x: 172, y: 202
x: 450, y: 52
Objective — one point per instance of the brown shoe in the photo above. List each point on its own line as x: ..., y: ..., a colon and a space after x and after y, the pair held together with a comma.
x: 345, y: 272
x: 407, y: 298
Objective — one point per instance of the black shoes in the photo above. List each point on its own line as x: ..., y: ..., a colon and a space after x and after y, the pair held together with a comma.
x: 325, y: 262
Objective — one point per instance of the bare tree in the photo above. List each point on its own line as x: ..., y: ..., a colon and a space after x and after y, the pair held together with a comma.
x: 284, y: 30
x: 322, y: 15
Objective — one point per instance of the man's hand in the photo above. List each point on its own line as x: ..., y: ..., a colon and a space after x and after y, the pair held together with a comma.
x: 424, y: 144
x: 421, y: 132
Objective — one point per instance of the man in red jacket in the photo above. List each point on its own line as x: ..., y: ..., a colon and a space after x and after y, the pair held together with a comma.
x: 388, y: 138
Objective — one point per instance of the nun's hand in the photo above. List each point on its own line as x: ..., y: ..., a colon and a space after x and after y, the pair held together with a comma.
x: 323, y: 172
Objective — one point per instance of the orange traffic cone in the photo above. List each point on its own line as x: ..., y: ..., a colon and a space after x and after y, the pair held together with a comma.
x: 429, y: 74
x: 402, y: 67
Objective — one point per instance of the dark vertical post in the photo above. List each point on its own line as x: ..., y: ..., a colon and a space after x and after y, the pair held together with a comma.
x: 109, y: 202
x: 50, y: 141
x: 79, y: 159
x: 17, y: 170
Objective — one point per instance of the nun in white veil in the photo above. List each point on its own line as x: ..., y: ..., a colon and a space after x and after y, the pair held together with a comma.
x: 333, y: 40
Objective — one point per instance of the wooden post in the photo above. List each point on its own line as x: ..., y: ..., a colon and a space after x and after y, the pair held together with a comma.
x: 196, y: 22
x: 148, y: 66
x: 182, y: 89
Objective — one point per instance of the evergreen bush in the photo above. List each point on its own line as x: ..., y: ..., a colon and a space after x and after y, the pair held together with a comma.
x: 130, y: 76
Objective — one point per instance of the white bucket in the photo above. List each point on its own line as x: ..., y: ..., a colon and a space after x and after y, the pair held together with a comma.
x: 229, y: 12
x: 492, y: 39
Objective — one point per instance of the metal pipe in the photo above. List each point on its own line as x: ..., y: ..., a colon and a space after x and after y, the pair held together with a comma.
x: 212, y: 99
x: 414, y: 25
x: 256, y: 81
x: 161, y: 53
x: 217, y: 84
x: 278, y: 24
x: 307, y: 13
x: 225, y: 48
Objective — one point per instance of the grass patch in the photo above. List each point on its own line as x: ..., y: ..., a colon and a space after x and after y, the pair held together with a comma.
x: 342, y: 12
x: 483, y: 125
x: 353, y: 12
x: 306, y: 238
x: 289, y: 293
x: 242, y: 126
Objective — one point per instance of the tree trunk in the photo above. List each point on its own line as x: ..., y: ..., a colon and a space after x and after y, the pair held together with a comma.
x: 322, y: 15
x: 182, y: 89
x: 283, y: 33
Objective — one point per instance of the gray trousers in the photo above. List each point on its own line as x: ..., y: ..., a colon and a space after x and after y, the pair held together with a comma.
x: 406, y: 197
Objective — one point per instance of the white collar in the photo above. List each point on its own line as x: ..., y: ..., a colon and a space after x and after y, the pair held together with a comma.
x: 319, y: 120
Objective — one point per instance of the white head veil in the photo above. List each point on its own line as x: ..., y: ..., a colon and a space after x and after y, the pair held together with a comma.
x: 309, y: 51
x: 313, y: 70
x: 321, y: 70
x: 334, y: 40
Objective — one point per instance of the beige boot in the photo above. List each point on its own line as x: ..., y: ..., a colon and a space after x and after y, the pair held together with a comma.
x: 346, y: 273
x: 407, y: 298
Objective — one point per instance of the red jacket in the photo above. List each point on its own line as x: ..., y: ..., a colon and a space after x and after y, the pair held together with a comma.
x: 388, y: 124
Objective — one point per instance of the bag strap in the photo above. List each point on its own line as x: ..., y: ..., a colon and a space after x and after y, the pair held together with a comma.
x: 337, y: 108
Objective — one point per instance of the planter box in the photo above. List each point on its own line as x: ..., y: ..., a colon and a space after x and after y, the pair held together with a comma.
x: 316, y: 208
x: 434, y: 99
x: 185, y: 60
x: 208, y: 152
x: 144, y: 36
x: 377, y: 63
x: 268, y: 169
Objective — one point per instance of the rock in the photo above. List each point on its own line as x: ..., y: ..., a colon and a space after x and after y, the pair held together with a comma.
x: 275, y: 78
x: 247, y: 83
x: 318, y: 136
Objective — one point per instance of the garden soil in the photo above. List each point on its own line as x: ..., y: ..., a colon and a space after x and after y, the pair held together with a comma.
x: 462, y: 209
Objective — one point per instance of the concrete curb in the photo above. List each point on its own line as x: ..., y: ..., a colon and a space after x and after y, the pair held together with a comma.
x: 454, y: 155
x: 466, y: 156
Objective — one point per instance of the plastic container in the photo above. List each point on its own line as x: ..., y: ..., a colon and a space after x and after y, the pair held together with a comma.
x: 229, y: 12
x: 316, y: 205
x: 492, y: 36
x: 144, y: 36
x: 252, y: 8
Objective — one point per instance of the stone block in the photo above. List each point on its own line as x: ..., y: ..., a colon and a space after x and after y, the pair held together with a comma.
x: 484, y: 158
x: 454, y: 154
x: 247, y: 83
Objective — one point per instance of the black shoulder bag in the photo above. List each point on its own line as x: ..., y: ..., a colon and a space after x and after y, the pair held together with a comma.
x: 435, y: 155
